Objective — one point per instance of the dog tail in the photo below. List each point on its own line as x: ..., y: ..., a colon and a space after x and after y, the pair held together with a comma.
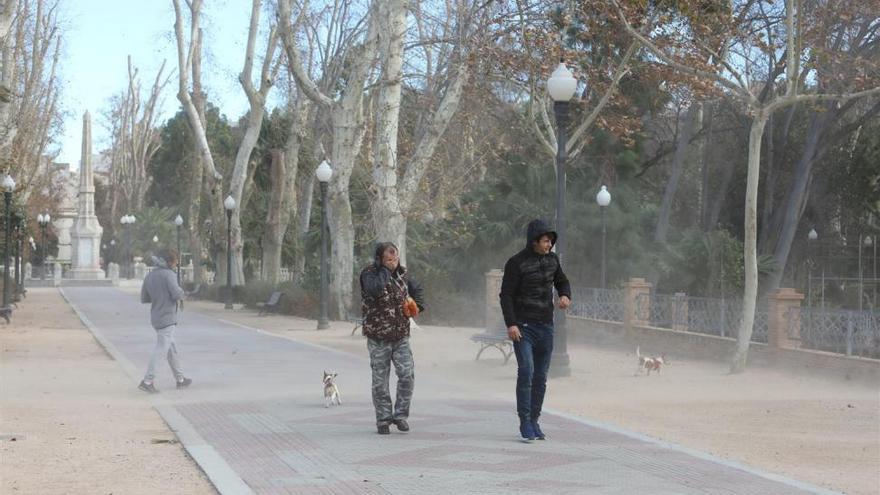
x: 638, y: 354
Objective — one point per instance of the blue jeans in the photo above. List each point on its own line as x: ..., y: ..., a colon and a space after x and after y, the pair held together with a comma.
x: 533, y: 353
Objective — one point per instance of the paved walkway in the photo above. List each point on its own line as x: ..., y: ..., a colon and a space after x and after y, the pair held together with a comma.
x: 255, y: 421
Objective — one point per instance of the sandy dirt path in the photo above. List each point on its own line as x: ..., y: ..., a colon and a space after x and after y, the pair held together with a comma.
x: 71, y: 421
x: 822, y: 431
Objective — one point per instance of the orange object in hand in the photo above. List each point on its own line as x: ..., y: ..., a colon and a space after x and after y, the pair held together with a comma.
x: 410, y: 308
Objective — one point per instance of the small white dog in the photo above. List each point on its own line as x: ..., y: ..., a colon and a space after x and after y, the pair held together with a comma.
x: 331, y: 391
x: 649, y: 363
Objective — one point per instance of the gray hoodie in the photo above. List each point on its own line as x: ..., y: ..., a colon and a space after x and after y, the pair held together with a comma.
x: 160, y: 288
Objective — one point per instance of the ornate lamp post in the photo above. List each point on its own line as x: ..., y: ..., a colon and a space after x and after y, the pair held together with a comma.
x: 812, y: 235
x: 111, y: 256
x: 324, y: 172
x: 178, y: 221
x: 32, y: 247
x: 8, y: 187
x: 229, y: 204
x: 603, y: 199
x: 43, y: 221
x: 127, y: 223
x: 19, y: 234
x: 561, y: 86
x: 869, y: 242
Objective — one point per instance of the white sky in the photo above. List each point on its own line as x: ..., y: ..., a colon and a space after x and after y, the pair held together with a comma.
x: 98, y: 35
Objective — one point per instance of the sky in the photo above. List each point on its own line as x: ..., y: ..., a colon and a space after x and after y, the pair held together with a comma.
x: 98, y: 35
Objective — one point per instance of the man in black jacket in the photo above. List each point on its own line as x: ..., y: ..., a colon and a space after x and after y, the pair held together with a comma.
x: 385, y: 285
x: 527, y: 304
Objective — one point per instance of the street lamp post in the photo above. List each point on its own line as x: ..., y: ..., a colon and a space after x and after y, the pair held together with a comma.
x: 43, y: 221
x: 870, y: 242
x: 8, y: 187
x: 324, y: 172
x: 603, y: 199
x: 229, y: 204
x: 178, y: 221
x: 19, y: 232
x: 111, y: 256
x: 812, y: 235
x: 561, y: 86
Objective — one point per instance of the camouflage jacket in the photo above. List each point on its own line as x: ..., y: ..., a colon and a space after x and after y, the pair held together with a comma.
x: 383, y: 294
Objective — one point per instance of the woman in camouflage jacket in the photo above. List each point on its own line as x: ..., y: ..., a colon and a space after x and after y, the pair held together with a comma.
x: 385, y: 286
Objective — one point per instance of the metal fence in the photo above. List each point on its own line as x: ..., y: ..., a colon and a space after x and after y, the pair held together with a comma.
x: 706, y: 315
x: 853, y: 333
x: 597, y: 304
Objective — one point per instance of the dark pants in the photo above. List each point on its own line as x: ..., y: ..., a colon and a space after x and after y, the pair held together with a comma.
x: 533, y: 360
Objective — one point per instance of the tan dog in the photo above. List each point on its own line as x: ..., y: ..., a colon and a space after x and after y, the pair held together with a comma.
x: 331, y: 391
x: 649, y: 363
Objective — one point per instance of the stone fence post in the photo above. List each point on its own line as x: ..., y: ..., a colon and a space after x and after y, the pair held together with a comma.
x: 632, y: 316
x: 113, y: 273
x: 779, y: 302
x: 494, y: 319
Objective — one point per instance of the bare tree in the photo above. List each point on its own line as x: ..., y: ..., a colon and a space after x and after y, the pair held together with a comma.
x: 344, y: 67
x: 257, y: 100
x: 31, y: 117
x: 185, y: 58
x: 135, y: 140
x: 726, y: 60
x: 284, y: 195
x: 441, y: 60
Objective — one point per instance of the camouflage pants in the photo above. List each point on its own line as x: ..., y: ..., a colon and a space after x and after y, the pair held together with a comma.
x: 382, y: 355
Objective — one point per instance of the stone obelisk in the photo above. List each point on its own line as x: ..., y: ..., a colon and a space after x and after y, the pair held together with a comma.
x: 86, y: 232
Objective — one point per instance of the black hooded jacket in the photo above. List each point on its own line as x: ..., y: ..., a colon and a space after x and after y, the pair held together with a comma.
x: 529, y: 278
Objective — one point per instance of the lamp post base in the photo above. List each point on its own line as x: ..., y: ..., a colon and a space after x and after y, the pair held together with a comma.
x: 560, y: 366
x: 323, y: 324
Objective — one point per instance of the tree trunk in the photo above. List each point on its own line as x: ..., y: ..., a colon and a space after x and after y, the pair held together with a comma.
x: 706, y: 169
x: 305, y: 192
x: 341, y: 251
x: 750, y: 293
x: 796, y: 198
x: 769, y: 187
x: 243, y: 165
x: 684, y: 138
x: 199, y: 99
x: 273, y: 236
x: 388, y: 217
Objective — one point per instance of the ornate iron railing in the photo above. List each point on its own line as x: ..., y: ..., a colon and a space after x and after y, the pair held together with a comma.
x: 597, y: 304
x: 852, y: 333
x: 699, y: 314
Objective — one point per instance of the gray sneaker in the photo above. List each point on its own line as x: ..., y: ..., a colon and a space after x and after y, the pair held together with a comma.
x: 186, y: 382
x: 148, y: 387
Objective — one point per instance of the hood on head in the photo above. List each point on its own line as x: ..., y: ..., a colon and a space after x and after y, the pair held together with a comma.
x: 536, y: 229
x: 159, y: 262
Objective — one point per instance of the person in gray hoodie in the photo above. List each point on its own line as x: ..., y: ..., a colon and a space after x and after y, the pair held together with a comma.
x: 161, y: 290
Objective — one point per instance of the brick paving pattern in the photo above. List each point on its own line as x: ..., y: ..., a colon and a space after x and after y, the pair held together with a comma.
x: 257, y: 401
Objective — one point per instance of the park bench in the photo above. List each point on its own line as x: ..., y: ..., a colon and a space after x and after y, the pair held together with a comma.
x: 357, y: 320
x: 270, y: 306
x: 494, y: 338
